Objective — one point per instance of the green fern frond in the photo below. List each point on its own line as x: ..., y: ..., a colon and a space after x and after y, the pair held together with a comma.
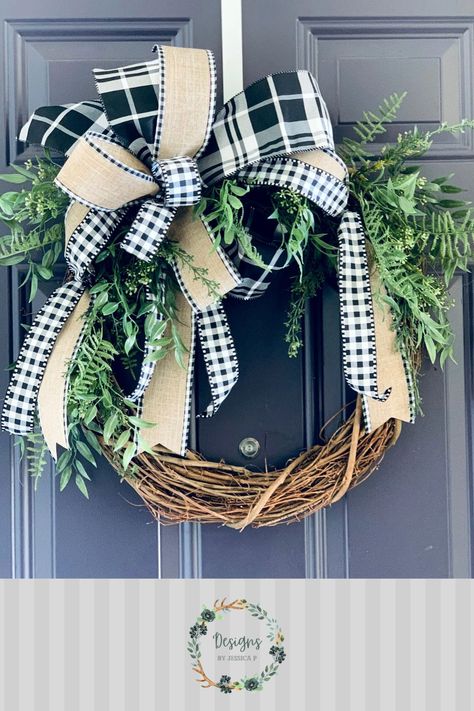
x: 36, y: 455
x: 373, y: 124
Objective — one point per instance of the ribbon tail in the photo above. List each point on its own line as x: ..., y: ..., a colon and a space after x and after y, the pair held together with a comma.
x: 53, y: 392
x: 22, y: 395
x: 148, y: 230
x: 394, y: 369
x: 167, y: 399
x: 373, y: 365
x: 219, y: 355
x: 86, y: 239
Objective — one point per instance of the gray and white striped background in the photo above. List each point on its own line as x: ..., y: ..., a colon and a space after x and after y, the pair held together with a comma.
x: 99, y: 645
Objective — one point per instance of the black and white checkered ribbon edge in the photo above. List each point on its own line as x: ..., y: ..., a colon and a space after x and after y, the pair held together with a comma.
x: 411, y: 394
x: 22, y: 394
x: 188, y: 395
x: 217, y: 344
x: 356, y: 309
x: 219, y: 355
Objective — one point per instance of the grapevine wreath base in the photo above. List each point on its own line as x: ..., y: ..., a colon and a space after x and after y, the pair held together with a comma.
x: 177, y: 489
x: 164, y: 218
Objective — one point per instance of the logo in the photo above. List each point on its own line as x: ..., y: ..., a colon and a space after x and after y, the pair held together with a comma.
x: 266, y: 639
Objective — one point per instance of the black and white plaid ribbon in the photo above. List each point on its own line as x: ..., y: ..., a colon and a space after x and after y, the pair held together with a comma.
x: 283, y: 120
x: 252, y: 139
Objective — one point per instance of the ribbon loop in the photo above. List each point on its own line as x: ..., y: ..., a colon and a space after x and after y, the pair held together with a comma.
x: 101, y: 174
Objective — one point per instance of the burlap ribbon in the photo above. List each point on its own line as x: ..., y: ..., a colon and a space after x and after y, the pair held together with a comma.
x: 152, y: 142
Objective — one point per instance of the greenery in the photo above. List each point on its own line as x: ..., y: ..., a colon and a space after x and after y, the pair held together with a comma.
x: 419, y: 230
x: 33, y: 218
x: 419, y: 234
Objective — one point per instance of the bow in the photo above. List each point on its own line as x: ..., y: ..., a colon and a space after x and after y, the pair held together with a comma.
x: 151, y: 141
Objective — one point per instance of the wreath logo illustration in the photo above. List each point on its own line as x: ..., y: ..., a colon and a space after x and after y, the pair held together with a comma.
x: 217, y: 612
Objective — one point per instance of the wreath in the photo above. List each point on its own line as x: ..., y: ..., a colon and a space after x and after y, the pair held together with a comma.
x: 154, y: 246
x: 225, y: 684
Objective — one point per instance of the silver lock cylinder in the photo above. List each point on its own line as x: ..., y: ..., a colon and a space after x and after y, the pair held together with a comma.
x: 249, y: 447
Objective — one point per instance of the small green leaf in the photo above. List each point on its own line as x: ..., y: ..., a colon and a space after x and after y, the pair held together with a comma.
x: 24, y: 171
x: 11, y: 261
x: 122, y: 440
x: 452, y: 203
x: 451, y: 189
x: 235, y: 202
x: 129, y: 453
x: 81, y: 485
x: 92, y: 440
x: 83, y: 449
x: 101, y: 299
x: 13, y: 178
x: 109, y: 309
x: 109, y: 426
x: 97, y: 288
x: 430, y: 347
x: 91, y: 414
x: 65, y: 477
x: 81, y: 469
x: 238, y: 189
x: 44, y: 272
x: 33, y: 287
x: 156, y: 356
x: 138, y: 422
x: 129, y: 343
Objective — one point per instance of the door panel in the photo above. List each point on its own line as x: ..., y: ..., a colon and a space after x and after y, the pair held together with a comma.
x: 412, y: 517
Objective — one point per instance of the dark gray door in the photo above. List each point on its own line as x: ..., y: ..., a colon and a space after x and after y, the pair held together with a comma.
x: 412, y: 518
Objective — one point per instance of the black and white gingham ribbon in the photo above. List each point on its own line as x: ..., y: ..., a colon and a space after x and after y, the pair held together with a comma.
x: 357, y: 313
x: 219, y: 355
x: 22, y: 394
x: 252, y: 139
x: 148, y: 230
x: 217, y: 346
x: 89, y: 238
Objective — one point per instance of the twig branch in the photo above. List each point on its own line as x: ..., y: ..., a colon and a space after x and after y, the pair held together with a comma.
x: 219, y: 606
x: 205, y: 682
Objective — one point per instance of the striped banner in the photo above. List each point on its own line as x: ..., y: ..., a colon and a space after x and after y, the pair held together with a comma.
x: 99, y: 645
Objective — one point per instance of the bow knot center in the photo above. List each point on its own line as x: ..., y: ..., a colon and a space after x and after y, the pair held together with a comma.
x: 179, y: 181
